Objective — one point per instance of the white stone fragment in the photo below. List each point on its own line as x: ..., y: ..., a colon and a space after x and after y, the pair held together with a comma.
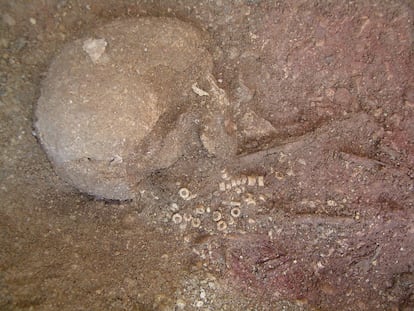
x: 94, y: 48
x: 302, y: 161
x: 198, y: 91
x: 260, y: 181
x: 116, y: 159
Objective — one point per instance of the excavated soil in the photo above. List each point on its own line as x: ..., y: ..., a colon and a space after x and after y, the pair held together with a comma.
x: 314, y: 212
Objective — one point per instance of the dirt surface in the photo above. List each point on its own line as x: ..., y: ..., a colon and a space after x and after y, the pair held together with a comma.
x: 315, y: 212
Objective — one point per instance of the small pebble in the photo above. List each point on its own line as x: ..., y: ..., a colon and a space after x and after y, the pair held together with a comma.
x: 7, y: 19
x: 20, y: 43
x: 32, y: 21
x: 4, y: 42
x: 61, y: 4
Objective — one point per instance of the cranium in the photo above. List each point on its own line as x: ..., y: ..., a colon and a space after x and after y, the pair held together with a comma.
x: 119, y: 104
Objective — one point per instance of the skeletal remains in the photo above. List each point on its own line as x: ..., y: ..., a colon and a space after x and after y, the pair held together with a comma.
x: 132, y: 98
x: 127, y: 100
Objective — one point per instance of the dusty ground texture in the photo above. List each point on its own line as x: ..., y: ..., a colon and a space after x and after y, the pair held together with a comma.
x: 314, y: 213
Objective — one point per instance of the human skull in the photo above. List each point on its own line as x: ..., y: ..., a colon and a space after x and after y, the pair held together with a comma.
x: 114, y: 106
